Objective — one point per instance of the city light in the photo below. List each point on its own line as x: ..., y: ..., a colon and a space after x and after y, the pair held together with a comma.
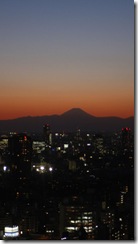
x: 42, y: 168
x: 50, y: 169
x: 81, y: 170
x: 11, y: 231
x: 4, y: 168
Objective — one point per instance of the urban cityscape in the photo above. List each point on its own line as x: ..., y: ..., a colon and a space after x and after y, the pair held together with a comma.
x: 67, y: 136
x: 75, y: 186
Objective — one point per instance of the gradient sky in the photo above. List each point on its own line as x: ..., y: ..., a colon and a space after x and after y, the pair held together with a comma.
x: 60, y: 54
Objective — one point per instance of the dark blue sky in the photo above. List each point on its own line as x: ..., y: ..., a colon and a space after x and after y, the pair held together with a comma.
x: 78, y: 52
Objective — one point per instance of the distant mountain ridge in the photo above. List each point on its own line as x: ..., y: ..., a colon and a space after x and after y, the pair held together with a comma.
x: 68, y: 121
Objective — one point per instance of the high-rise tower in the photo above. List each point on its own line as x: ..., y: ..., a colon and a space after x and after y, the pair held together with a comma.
x: 126, y: 134
x: 20, y: 151
x: 47, y: 134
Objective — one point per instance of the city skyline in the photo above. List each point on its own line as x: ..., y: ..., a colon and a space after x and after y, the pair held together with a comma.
x: 57, y: 55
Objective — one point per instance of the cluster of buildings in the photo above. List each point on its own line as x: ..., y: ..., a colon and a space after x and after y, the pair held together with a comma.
x: 57, y: 185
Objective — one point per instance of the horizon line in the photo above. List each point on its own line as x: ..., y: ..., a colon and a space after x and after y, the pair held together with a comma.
x: 105, y: 116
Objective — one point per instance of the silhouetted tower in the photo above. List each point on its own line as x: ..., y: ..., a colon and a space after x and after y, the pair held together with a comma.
x: 78, y: 134
x: 126, y: 136
x: 20, y: 151
x: 47, y: 134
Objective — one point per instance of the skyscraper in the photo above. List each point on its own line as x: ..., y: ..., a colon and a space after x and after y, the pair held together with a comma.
x: 126, y: 135
x: 47, y: 134
x: 20, y: 151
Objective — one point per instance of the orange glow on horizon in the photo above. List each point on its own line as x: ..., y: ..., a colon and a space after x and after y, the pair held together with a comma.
x: 16, y: 112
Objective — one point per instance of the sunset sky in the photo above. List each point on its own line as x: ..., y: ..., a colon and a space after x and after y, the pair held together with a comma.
x: 59, y: 54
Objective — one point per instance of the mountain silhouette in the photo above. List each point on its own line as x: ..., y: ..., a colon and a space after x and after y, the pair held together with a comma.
x: 69, y: 121
x: 77, y: 112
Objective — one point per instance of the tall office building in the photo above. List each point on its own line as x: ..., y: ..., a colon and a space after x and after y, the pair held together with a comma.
x: 20, y: 151
x: 47, y: 134
x: 126, y: 136
x: 73, y: 214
